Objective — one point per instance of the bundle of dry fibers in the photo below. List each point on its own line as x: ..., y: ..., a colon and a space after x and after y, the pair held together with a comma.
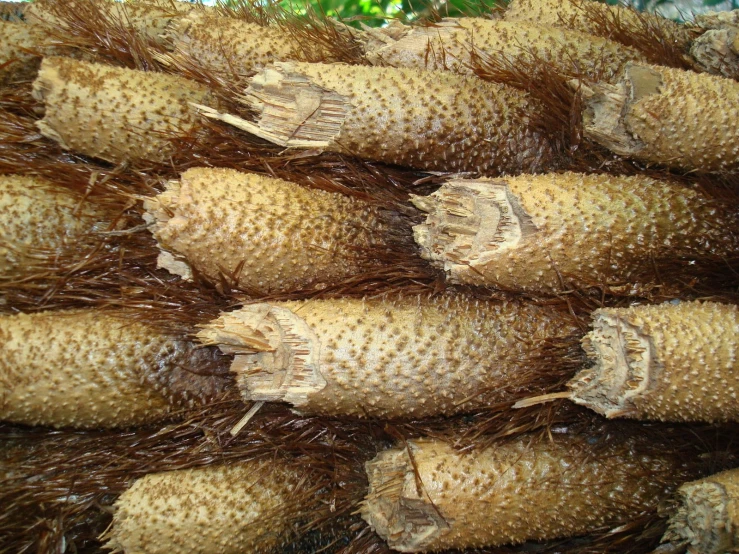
x: 93, y: 369
x: 115, y: 114
x: 668, y: 362
x: 146, y: 19
x: 248, y: 506
x: 453, y: 44
x: 595, y: 18
x: 40, y: 220
x: 676, y: 118
x: 707, y: 515
x: 429, y: 497
x: 12, y: 11
x: 262, y: 234
x: 421, y: 119
x: 552, y: 232
x: 391, y: 358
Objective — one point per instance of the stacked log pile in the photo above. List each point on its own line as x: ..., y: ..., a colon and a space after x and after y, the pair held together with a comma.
x: 273, y: 283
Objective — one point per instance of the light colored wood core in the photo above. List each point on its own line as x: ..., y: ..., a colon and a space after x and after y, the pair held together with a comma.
x: 436, y: 498
x: 229, y: 509
x: 413, y: 357
x: 113, y: 113
x: 262, y: 234
x: 667, y: 116
x: 451, y: 43
x: 670, y: 362
x: 551, y: 232
x: 707, y: 516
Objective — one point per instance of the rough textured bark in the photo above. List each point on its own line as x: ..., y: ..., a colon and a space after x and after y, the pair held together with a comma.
x: 707, y: 516
x: 667, y: 116
x: 717, y: 49
x: 670, y: 362
x: 90, y: 369
x: 261, y: 234
x: 412, y: 357
x: 39, y: 220
x: 450, y: 45
x: 548, y: 233
x: 429, y: 497
x: 426, y: 120
x: 248, y: 506
x: 115, y: 114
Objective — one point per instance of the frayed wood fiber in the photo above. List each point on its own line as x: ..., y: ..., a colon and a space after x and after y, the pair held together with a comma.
x: 429, y: 497
x: 707, y: 515
x: 262, y: 234
x: 93, y: 369
x: 422, y: 119
x: 410, y: 357
x: 675, y: 118
x: 717, y: 49
x: 668, y: 362
x: 452, y: 44
x: 115, y: 114
x: 554, y: 232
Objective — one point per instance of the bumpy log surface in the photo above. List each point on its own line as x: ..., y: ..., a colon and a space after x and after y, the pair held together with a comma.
x: 407, y: 358
x: 671, y: 362
x: 436, y: 498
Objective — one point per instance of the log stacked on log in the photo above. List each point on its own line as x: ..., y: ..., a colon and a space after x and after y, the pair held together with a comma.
x: 255, y: 299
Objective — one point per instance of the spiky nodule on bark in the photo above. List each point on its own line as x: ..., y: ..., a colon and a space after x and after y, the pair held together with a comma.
x: 90, y: 369
x: 429, y: 497
x: 431, y: 120
x: 409, y: 357
x: 670, y: 362
x: 548, y: 233
x: 39, y: 220
x: 243, y: 507
x: 261, y: 234
x: 453, y: 43
x: 115, y: 114
x: 667, y: 116
x: 707, y: 515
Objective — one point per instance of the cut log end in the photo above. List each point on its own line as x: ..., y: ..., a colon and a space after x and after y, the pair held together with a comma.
x: 469, y: 223
x: 623, y: 369
x: 717, y: 52
x: 276, y: 355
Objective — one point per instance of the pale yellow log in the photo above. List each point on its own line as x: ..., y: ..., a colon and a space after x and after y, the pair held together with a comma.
x: 21, y: 48
x: 548, y: 233
x: 589, y: 16
x: 262, y: 234
x: 707, y: 516
x: 451, y: 44
x: 224, y: 509
x: 426, y: 120
x: 115, y: 114
x: 526, y: 489
x: 412, y: 357
x: 669, y: 362
x: 85, y: 369
x: 671, y: 117
x: 39, y: 220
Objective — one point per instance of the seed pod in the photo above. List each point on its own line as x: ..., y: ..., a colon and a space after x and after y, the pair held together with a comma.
x: 113, y: 113
x: 546, y: 233
x: 90, y: 369
x: 671, y: 362
x: 412, y: 357
x: 39, y: 220
x: 707, y: 517
x: 230, y: 48
x: 451, y: 43
x: 592, y: 17
x: 677, y: 118
x: 264, y: 234
x: 437, y: 498
x: 145, y: 18
x: 425, y: 120
x: 244, y: 507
